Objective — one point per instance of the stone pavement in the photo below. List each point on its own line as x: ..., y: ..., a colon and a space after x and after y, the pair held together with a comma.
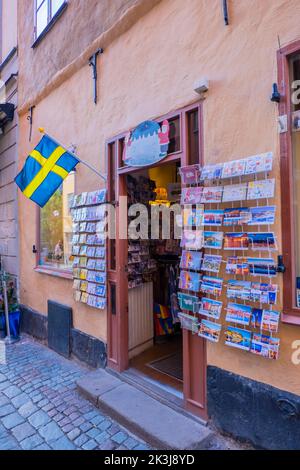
x: 40, y: 408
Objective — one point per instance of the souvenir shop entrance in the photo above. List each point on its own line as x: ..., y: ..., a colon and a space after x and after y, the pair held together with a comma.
x: 143, y: 334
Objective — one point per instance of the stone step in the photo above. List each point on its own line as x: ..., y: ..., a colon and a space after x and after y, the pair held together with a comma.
x: 156, y: 423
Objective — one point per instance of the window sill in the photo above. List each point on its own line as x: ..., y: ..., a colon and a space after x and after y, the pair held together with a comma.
x: 50, y: 25
x: 54, y: 272
x: 291, y: 317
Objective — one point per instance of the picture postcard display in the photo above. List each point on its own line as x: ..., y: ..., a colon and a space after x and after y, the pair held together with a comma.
x: 227, y: 229
x: 89, y: 249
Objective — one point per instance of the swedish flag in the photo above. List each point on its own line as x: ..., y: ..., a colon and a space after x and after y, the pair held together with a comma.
x: 44, y: 171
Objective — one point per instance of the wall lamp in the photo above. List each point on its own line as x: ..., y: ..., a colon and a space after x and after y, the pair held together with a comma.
x: 276, y: 96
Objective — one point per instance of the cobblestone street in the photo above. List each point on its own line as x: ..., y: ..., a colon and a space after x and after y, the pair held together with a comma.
x: 40, y: 408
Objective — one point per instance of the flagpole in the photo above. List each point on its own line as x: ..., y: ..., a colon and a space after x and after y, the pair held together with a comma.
x: 42, y: 131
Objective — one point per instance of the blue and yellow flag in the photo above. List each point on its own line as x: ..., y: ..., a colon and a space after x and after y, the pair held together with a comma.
x: 44, y: 170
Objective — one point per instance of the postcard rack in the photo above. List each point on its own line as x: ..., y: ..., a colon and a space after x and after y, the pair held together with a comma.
x: 228, y: 273
x: 89, y: 249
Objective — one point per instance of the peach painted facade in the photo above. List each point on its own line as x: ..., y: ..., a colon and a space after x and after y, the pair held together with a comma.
x: 151, y: 60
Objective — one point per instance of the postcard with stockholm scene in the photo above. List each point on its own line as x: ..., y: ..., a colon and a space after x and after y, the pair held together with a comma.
x: 236, y: 241
x: 213, y: 240
x: 238, y: 338
x: 237, y: 313
x: 210, y: 308
x: 191, y: 260
x: 210, y: 330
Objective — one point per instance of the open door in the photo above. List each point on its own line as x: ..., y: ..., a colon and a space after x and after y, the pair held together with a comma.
x: 188, y: 130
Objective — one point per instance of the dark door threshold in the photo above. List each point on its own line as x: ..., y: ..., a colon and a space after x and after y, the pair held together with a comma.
x: 160, y: 392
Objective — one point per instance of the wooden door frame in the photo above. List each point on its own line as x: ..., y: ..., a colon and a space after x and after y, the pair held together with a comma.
x: 194, y: 347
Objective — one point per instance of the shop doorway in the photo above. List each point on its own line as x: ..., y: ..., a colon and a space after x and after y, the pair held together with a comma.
x: 155, y: 338
x: 178, y: 362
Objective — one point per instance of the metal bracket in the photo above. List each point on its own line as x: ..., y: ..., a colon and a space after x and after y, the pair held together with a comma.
x: 93, y: 63
x: 225, y: 12
x: 30, y: 119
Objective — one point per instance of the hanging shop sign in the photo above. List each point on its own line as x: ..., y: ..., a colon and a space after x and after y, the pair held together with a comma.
x: 147, y: 144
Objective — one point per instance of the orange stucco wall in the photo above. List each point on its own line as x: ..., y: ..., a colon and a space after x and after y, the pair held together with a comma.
x: 146, y: 72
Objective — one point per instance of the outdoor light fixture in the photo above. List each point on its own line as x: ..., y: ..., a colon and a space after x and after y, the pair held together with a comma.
x: 6, y: 113
x: 276, y: 96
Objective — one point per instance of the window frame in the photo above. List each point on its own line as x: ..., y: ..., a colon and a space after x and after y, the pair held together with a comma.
x: 66, y: 273
x: 290, y: 313
x: 51, y: 19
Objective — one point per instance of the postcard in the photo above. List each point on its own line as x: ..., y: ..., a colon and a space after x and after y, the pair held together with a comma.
x: 75, y: 250
x: 77, y: 296
x: 193, y: 217
x: 265, y: 346
x: 262, y: 267
x: 91, y: 276
x: 259, y: 163
x: 100, y: 303
x: 191, y: 260
x: 91, y: 251
x: 212, y: 172
x: 100, y: 278
x: 212, y: 285
x: 262, y: 189
x: 237, y: 313
x: 263, y: 241
x: 83, y: 274
x: 101, y: 290
x: 192, y: 239
x: 188, y: 322
x: 212, y: 263
x: 210, y: 308
x: 236, y: 241
x: 256, y: 317
x: 188, y: 302
x: 91, y: 264
x: 76, y: 262
x: 92, y: 300
x: 210, y: 330
x: 91, y: 289
x: 76, y: 272
x: 83, y: 250
x: 191, y: 195
x: 83, y: 286
x: 238, y: 289
x: 100, y: 265
x: 189, y: 281
x: 262, y: 215
x: 76, y: 284
x: 91, y: 227
x: 234, y: 168
x: 213, y: 217
x: 264, y: 293
x: 190, y: 174
x: 235, y: 192
x: 75, y: 239
x: 238, y: 338
x: 236, y: 216
x: 100, y: 252
x: 237, y: 266
x: 212, y: 194
x: 84, y: 297
x: 270, y: 320
x: 213, y: 240
x: 82, y: 227
x: 83, y: 262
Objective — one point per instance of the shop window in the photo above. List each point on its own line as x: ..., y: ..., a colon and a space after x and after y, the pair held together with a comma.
x: 193, y: 137
x: 46, y: 11
x: 56, y: 228
x: 175, y: 143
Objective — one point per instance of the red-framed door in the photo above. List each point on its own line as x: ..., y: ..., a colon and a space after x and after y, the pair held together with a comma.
x: 194, y: 347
